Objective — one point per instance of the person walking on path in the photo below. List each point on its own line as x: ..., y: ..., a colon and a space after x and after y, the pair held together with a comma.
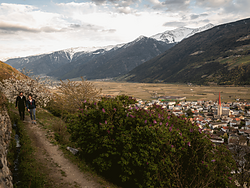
x: 31, y: 106
x: 21, y: 103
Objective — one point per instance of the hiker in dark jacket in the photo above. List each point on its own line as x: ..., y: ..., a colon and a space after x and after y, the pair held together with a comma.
x: 31, y: 106
x: 21, y: 103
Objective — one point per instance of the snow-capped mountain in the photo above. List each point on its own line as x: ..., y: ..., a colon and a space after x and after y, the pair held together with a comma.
x: 78, y: 51
x: 45, y: 63
x: 114, y: 62
x: 40, y: 64
x: 179, y: 34
x: 87, y: 61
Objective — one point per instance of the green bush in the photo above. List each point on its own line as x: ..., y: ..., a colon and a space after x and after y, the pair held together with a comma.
x: 148, y: 148
x: 53, y: 109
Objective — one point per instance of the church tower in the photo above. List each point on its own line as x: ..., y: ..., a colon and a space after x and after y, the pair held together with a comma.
x: 219, y: 112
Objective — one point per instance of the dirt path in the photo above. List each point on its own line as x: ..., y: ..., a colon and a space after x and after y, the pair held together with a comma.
x: 62, y: 173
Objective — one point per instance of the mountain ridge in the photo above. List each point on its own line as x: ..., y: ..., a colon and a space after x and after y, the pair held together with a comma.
x: 211, y: 58
x: 115, y: 61
x: 178, y: 34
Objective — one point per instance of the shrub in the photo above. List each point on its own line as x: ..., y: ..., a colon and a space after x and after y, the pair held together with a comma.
x: 148, y: 148
x: 54, y: 109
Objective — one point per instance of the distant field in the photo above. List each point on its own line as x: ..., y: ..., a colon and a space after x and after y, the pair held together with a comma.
x: 147, y: 90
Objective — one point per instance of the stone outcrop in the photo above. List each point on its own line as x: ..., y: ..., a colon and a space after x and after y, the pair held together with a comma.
x: 5, y: 137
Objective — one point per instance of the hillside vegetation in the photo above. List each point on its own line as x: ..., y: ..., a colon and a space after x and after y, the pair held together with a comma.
x: 220, y: 55
x: 6, y: 71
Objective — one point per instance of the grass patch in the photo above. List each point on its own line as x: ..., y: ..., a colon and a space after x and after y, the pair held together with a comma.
x: 56, y: 128
x: 235, y: 61
x: 12, y: 151
x: 63, y: 173
x: 29, y: 171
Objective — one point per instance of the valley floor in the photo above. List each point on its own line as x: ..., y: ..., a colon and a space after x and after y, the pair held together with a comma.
x: 145, y: 91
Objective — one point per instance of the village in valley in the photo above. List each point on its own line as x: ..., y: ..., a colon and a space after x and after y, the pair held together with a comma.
x: 228, y: 123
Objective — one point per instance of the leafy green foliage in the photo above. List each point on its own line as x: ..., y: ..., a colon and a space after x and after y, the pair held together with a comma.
x: 148, y: 148
x: 189, y: 113
x: 54, y: 109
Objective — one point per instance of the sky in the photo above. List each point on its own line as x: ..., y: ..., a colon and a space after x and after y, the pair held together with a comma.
x: 30, y: 27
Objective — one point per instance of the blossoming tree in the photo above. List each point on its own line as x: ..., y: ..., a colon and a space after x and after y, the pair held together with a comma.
x: 18, y: 83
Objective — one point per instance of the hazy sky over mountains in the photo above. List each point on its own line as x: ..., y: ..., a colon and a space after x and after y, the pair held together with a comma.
x: 32, y: 26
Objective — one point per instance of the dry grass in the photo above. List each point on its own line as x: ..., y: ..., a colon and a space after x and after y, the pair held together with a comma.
x: 6, y: 71
x: 146, y: 90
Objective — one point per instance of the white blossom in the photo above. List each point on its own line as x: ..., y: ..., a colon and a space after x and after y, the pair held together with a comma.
x: 17, y: 83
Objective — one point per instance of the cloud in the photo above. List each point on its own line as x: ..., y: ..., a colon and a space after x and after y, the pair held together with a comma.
x: 123, y: 7
x: 75, y: 26
x: 195, y: 16
x: 238, y: 7
x: 87, y: 27
x: 109, y: 30
x: 117, y: 2
x: 170, y: 5
x: 99, y: 2
x: 30, y: 19
x: 223, y: 11
x: 174, y: 24
x: 72, y: 8
x: 212, y: 3
x: 124, y: 10
x: 13, y: 28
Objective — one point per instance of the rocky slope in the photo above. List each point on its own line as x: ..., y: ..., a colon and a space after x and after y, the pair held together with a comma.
x: 5, y: 130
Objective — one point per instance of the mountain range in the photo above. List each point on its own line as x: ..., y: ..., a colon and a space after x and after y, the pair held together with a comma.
x: 220, y: 55
x: 95, y: 63
x: 114, y: 62
x: 103, y: 62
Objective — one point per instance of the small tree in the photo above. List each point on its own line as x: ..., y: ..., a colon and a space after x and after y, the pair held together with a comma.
x: 68, y: 98
x: 189, y: 113
x: 225, y: 136
x: 70, y: 95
